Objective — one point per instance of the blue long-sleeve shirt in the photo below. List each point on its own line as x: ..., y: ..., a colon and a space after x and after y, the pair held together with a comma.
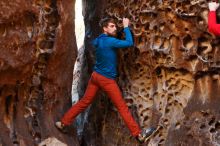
x: 106, y: 55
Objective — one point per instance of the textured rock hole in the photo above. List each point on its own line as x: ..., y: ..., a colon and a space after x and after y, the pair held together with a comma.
x: 162, y: 141
x: 146, y: 118
x: 39, y: 2
x: 170, y: 104
x: 186, y: 3
x: 189, y: 135
x: 140, y: 75
x: 43, y: 58
x: 177, y: 126
x: 203, y: 45
x: 186, y: 29
x: 15, y: 48
x: 212, y: 121
x: 167, y: 110
x: 156, y: 93
x: 203, y: 126
x: 129, y: 87
x: 15, y: 143
x: 126, y: 56
x: 155, y: 29
x: 138, y: 65
x: 169, y: 98
x: 210, y: 57
x: 134, y: 5
x: 35, y: 135
x: 140, y: 106
x: 160, y: 135
x: 166, y: 45
x: 218, y: 63
x: 142, y: 83
x: 171, y: 87
x: 45, y: 44
x: 181, y: 104
x: 205, y: 114
x: 3, y: 30
x: 1, y: 63
x: 8, y: 102
x: 35, y: 122
x: 179, y: 10
x: 171, y: 22
x: 192, y: 8
x: 143, y: 90
x: 129, y: 101
x: 146, y: 26
x: 188, y: 42
x: 176, y: 102
x: 137, y: 26
x: 168, y: 9
x: 217, y: 125
x: 30, y: 18
x: 158, y: 71
x: 200, y: 20
x: 161, y: 27
x: 52, y: 19
x: 48, y: 10
x: 177, y: 75
x: 212, y: 130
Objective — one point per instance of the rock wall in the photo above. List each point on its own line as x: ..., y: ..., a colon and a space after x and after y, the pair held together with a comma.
x: 169, y: 78
x: 37, y: 56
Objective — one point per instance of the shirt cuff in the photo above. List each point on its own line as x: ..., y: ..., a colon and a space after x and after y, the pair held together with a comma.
x: 126, y: 28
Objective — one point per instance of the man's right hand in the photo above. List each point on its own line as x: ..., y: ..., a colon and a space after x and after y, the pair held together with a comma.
x: 213, y: 6
x: 126, y: 22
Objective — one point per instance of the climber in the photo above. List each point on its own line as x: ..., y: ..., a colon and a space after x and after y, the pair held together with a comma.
x: 212, y: 20
x: 103, y: 77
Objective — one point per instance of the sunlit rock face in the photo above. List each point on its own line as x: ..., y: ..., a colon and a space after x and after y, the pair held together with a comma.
x: 38, y: 51
x: 169, y: 78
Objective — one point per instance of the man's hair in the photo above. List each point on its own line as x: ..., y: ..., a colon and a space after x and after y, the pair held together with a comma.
x: 105, y: 21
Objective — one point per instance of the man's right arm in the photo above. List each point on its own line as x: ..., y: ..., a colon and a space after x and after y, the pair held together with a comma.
x: 128, y: 42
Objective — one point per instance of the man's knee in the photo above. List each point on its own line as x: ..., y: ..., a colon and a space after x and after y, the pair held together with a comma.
x: 86, y: 101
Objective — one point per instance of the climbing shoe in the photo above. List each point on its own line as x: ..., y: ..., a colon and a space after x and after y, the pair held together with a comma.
x: 60, y: 126
x: 145, y: 134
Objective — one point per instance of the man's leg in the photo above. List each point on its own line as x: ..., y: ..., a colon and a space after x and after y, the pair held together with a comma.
x: 113, y: 91
x: 82, y: 104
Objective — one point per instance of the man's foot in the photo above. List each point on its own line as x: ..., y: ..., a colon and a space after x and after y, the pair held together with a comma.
x: 146, y: 133
x: 60, y: 126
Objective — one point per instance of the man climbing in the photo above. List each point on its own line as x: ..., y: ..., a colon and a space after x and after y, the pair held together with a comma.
x: 104, y: 76
x: 212, y: 21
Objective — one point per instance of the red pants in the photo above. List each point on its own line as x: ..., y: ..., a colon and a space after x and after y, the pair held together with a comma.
x: 111, y: 88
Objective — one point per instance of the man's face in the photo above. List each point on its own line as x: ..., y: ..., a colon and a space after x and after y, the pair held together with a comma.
x: 110, y: 29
